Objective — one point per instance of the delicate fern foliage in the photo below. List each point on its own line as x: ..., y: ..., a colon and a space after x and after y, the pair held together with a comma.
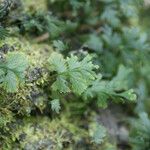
x: 95, y: 43
x: 3, y: 33
x: 72, y: 74
x: 43, y: 22
x: 105, y: 90
x: 111, y: 39
x: 12, y: 71
x: 134, y: 39
x: 140, y: 138
x: 111, y: 16
x: 59, y: 45
x: 55, y: 105
x: 98, y: 133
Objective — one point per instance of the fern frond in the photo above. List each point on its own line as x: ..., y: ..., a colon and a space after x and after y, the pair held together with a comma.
x: 116, y: 89
x: 12, y: 71
x: 3, y: 33
x: 72, y: 74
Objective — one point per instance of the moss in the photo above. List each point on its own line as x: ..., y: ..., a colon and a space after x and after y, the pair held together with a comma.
x: 26, y: 119
x: 40, y: 133
x: 30, y: 6
x: 30, y: 95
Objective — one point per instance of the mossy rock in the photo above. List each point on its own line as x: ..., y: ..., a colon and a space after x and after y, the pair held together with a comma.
x: 34, y: 133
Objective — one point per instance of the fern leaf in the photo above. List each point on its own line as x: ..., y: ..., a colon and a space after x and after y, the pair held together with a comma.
x: 105, y: 90
x: 72, y: 74
x: 55, y: 105
x: 98, y: 133
x: 12, y: 71
x: 57, y: 63
x: 3, y: 33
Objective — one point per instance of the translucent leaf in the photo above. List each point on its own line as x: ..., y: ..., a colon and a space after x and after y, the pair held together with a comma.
x: 57, y: 62
x: 10, y: 82
x: 116, y: 89
x: 111, y: 16
x: 120, y: 81
x: 55, y: 105
x: 73, y: 62
x: 1, y: 72
x: 78, y: 82
x: 98, y: 133
x: 16, y: 61
x: 59, y: 45
x: 12, y: 71
x: 60, y: 85
x: 3, y: 33
x: 95, y: 43
x: 130, y: 95
x: 72, y: 74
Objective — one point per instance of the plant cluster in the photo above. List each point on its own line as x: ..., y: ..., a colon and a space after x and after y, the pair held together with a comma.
x: 63, y: 61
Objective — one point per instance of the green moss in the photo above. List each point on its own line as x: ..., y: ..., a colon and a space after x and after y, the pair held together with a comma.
x: 30, y: 6
x: 27, y: 121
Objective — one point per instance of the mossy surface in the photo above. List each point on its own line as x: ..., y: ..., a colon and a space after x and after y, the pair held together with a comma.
x: 70, y: 115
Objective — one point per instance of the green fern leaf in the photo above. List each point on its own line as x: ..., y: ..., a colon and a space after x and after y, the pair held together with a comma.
x: 98, y: 133
x: 55, y: 105
x: 105, y: 90
x: 72, y: 74
x: 61, y: 85
x: 57, y: 63
x: 12, y: 71
x: 3, y: 33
